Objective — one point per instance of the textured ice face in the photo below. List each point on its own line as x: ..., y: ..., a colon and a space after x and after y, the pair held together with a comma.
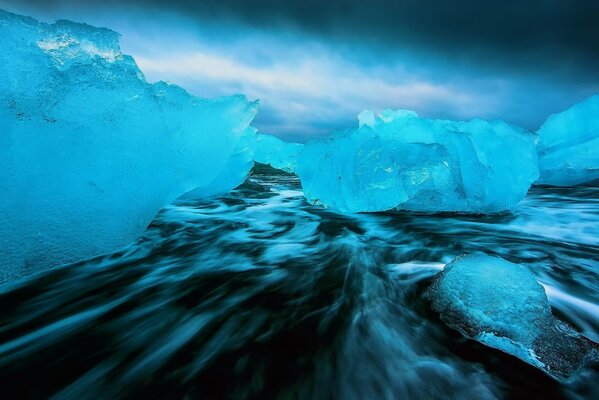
x: 479, y: 293
x: 401, y: 161
x: 89, y: 151
x: 276, y: 153
x: 500, y: 304
x: 569, y: 145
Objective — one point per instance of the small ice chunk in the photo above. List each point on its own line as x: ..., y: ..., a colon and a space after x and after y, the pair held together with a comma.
x: 569, y: 145
x: 500, y: 304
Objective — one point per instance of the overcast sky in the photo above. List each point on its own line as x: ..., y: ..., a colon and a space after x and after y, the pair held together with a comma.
x: 315, y: 65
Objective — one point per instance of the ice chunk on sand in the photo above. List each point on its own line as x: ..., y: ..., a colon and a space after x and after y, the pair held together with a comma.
x: 401, y: 161
x: 89, y: 151
x: 569, y: 145
x: 500, y: 304
x: 277, y: 153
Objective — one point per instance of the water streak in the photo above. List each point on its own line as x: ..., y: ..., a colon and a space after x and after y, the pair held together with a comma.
x: 258, y: 294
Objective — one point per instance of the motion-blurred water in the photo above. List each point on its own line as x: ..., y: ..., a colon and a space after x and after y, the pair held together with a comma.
x: 258, y: 294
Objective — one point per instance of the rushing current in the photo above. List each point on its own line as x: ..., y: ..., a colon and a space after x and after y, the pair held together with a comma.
x: 258, y: 294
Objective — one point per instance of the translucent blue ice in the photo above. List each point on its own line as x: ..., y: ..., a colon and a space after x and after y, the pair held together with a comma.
x: 401, y: 161
x: 235, y: 171
x: 501, y: 304
x: 276, y: 152
x: 89, y: 151
x: 569, y: 145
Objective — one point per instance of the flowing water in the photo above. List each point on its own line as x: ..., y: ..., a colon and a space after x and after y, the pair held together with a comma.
x: 258, y: 294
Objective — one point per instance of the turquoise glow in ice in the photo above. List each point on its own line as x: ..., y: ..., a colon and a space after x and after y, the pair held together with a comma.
x: 569, y: 145
x: 276, y: 153
x: 401, y: 161
x: 89, y: 151
x: 235, y: 171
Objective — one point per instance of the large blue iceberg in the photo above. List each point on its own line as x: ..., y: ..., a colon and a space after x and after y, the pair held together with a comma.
x: 500, y: 304
x: 89, y: 151
x: 569, y: 145
x: 401, y: 161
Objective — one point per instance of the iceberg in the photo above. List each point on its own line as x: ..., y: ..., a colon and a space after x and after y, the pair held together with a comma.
x: 568, y: 145
x: 277, y: 153
x: 501, y: 305
x: 401, y: 161
x: 90, y: 151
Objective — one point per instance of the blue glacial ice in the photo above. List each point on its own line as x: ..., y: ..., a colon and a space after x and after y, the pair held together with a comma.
x: 89, y: 151
x: 277, y: 153
x: 401, y: 161
x: 251, y: 147
x: 501, y: 305
x: 569, y: 145
x: 235, y: 171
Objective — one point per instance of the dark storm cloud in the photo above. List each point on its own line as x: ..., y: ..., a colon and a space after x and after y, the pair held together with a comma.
x: 557, y: 36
